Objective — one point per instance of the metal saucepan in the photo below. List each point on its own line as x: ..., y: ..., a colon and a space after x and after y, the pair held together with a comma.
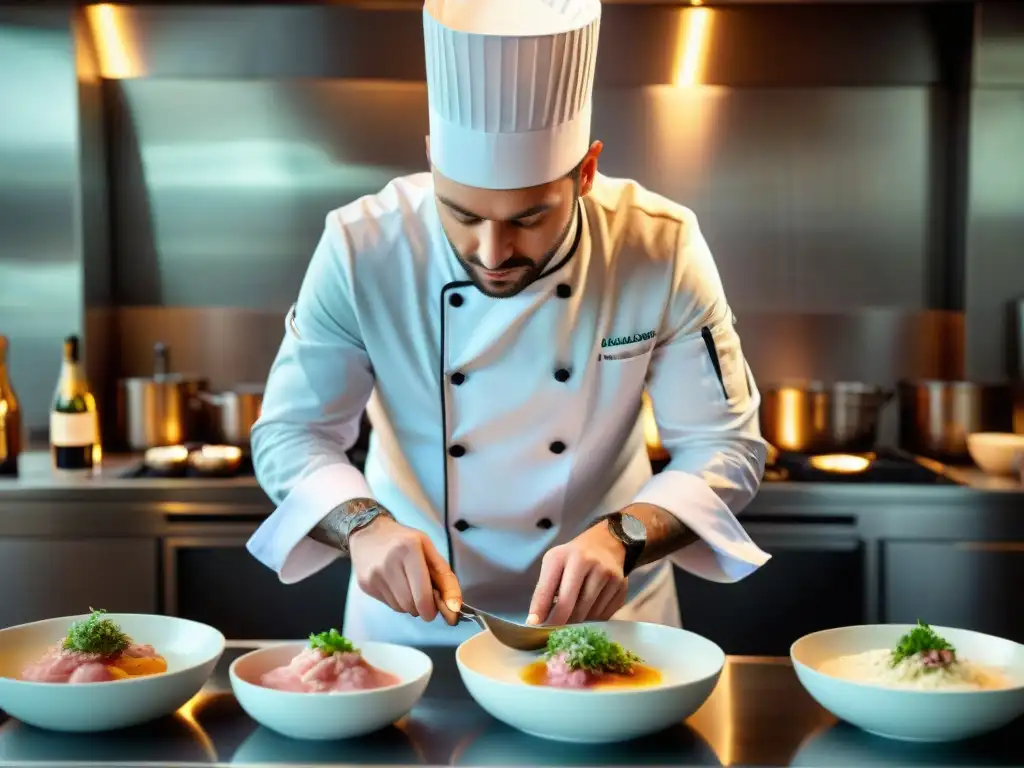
x: 818, y: 417
x: 162, y: 409
x: 937, y: 416
x: 234, y: 412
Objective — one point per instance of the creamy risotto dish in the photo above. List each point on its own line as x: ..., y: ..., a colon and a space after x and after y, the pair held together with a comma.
x: 921, y: 660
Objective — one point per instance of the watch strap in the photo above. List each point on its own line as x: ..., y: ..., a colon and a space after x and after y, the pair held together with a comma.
x: 634, y: 548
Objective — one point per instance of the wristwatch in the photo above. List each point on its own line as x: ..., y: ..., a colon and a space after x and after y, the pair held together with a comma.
x: 632, y: 533
x: 343, y: 521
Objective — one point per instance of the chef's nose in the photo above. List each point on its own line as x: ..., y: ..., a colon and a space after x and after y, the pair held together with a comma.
x: 495, y: 245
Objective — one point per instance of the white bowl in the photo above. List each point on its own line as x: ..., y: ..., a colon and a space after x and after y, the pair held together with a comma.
x: 330, y: 715
x: 192, y: 651
x: 997, y: 453
x: 912, y: 715
x: 689, y: 664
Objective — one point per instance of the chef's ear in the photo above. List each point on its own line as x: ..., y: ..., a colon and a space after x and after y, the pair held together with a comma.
x: 588, y: 168
x: 426, y: 140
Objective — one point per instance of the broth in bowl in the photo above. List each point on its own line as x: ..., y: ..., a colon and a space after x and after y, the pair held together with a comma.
x: 584, y: 657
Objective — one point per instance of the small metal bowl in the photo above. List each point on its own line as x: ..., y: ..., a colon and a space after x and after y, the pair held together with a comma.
x: 168, y: 460
x: 216, y: 460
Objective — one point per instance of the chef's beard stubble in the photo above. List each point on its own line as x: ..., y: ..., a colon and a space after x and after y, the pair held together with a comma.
x: 536, y: 268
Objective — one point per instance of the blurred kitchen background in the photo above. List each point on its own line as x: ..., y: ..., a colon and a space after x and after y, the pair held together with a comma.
x: 165, y: 171
x: 858, y: 169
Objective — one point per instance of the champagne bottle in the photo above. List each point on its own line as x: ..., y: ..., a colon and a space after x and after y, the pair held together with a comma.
x: 10, y: 419
x: 74, y: 422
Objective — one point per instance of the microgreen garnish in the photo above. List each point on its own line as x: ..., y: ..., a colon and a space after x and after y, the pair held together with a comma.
x: 920, y: 639
x: 590, y: 649
x: 331, y: 641
x: 96, y: 635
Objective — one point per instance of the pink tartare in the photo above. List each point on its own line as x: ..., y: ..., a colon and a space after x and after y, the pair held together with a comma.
x: 329, y: 664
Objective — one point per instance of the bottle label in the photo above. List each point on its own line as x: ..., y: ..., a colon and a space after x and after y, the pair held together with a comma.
x: 73, y: 429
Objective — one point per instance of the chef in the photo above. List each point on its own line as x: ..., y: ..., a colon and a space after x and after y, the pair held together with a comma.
x: 499, y: 318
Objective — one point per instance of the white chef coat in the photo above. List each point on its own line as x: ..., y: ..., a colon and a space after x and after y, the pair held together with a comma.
x: 538, y: 433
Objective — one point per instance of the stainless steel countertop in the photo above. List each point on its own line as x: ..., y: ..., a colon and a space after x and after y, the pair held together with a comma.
x: 758, y: 715
x: 37, y: 480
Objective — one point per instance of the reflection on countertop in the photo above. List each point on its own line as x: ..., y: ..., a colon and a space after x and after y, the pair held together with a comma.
x: 982, y: 481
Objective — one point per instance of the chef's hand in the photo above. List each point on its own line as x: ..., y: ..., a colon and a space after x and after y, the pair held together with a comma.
x: 586, y: 575
x: 400, y: 567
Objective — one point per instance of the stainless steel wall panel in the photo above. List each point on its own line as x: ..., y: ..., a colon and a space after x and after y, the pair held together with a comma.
x: 812, y: 199
x: 995, y: 210
x: 226, y: 210
x: 1000, y: 50
x: 231, y: 346
x: 278, y: 41
x: 995, y: 257
x: 41, y: 297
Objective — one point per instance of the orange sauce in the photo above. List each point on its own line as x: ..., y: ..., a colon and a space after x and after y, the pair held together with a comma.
x: 126, y: 666
x: 641, y: 676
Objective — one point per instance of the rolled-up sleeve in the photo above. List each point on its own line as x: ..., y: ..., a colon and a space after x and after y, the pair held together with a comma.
x: 706, y: 406
x: 317, y: 390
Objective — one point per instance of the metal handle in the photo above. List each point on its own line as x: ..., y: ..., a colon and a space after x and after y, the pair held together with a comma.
x: 161, y: 365
x: 470, y: 614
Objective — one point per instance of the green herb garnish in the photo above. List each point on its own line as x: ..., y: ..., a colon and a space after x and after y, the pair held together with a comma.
x: 331, y: 641
x: 590, y: 649
x: 96, y: 635
x: 920, y: 639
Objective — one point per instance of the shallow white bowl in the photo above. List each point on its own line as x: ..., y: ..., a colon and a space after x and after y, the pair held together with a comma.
x: 690, y: 666
x: 910, y: 715
x: 997, y: 453
x: 330, y: 715
x: 191, y: 649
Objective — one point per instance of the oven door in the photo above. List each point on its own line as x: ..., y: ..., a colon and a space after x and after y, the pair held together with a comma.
x: 214, y: 580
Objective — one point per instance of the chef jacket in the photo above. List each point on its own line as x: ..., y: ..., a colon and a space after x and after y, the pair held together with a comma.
x: 503, y: 427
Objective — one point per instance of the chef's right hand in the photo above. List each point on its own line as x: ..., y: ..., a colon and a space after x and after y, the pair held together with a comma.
x: 400, y: 567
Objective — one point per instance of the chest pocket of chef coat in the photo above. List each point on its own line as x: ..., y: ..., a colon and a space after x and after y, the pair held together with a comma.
x: 622, y: 373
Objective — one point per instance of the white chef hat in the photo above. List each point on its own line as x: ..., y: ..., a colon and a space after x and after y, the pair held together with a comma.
x: 509, y: 86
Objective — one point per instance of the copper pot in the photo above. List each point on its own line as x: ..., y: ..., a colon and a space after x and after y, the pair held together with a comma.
x: 162, y: 409
x: 937, y: 416
x: 818, y: 417
x: 233, y: 412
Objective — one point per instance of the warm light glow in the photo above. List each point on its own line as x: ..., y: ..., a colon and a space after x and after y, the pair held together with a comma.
x: 650, y: 428
x: 221, y: 452
x: 115, y: 47
x: 714, y: 721
x: 790, y: 401
x: 167, y: 454
x: 841, y: 463
x: 693, y: 45
x: 186, y: 713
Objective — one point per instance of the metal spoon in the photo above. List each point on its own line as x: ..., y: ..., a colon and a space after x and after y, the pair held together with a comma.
x: 521, y: 637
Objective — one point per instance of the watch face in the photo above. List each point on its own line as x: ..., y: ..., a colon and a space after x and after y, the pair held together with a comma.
x: 633, y: 528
